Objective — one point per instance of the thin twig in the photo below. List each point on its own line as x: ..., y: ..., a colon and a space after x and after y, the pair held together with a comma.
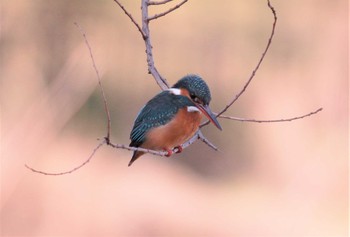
x: 99, y: 80
x: 145, y: 32
x: 168, y: 11
x: 72, y: 170
x: 106, y: 140
x: 159, y: 3
x: 153, y: 152
x: 162, y: 83
x: 206, y: 141
x: 259, y: 62
x: 256, y: 67
x: 271, y: 120
x: 131, y: 18
x: 198, y: 135
x: 193, y: 139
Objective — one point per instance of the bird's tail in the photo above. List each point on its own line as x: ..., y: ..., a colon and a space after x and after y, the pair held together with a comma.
x: 135, y: 155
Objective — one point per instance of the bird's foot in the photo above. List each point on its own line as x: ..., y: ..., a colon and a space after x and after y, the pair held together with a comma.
x: 169, y: 152
x: 179, y: 149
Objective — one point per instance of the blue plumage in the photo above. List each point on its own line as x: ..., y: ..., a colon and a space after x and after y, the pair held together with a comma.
x: 160, y: 110
x: 190, y: 92
x: 196, y: 87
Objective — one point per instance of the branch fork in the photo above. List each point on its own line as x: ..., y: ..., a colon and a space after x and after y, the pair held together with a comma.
x: 163, y: 84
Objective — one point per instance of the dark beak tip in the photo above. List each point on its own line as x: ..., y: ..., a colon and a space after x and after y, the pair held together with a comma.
x: 218, y: 125
x: 210, y: 116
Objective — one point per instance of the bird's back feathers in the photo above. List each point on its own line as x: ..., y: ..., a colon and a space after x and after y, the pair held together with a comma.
x: 159, y: 111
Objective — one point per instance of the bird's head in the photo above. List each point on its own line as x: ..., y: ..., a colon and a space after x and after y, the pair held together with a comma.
x: 195, y: 88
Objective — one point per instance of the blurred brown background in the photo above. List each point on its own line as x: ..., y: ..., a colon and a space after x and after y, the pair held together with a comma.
x: 280, y: 179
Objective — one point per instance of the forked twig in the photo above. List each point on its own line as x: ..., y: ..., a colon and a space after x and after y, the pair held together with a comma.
x: 99, y: 80
x: 168, y: 11
x: 162, y: 83
x: 72, y: 170
x: 159, y: 3
x: 131, y: 18
x: 107, y: 138
x: 145, y: 32
x: 206, y: 141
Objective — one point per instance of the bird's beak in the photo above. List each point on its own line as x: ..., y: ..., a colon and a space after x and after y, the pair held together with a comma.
x: 207, y: 112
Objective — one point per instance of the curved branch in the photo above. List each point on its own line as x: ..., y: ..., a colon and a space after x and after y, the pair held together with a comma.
x: 69, y: 171
x: 271, y: 120
x: 145, y: 32
x: 206, y: 141
x: 98, y: 78
x: 159, y: 3
x: 256, y: 67
x: 260, y: 60
x: 168, y: 11
x: 122, y: 146
x: 198, y: 135
x: 162, y: 83
x: 131, y: 18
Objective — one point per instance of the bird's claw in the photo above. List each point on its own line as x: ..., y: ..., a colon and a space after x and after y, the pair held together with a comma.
x: 168, y: 152
x: 179, y: 149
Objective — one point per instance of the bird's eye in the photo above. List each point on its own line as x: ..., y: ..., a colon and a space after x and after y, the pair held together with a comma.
x: 194, y: 98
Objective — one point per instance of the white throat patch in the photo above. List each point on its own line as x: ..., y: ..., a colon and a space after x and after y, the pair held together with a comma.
x: 174, y: 91
x: 192, y: 109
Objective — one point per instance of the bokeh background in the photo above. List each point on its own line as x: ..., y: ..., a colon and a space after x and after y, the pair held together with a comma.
x: 275, y: 179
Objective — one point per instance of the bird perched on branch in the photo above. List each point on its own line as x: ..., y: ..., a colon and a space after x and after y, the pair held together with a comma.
x: 172, y: 117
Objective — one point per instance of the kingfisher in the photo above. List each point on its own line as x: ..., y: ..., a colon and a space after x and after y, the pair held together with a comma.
x: 172, y: 117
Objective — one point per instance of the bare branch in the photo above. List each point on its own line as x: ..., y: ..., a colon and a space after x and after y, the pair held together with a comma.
x: 131, y: 18
x: 105, y: 107
x: 198, y: 135
x: 145, y: 32
x: 99, y: 80
x: 256, y: 67
x: 162, y: 83
x: 159, y: 3
x: 259, y: 63
x: 72, y: 170
x: 206, y: 141
x: 122, y: 146
x: 168, y: 11
x: 153, y: 152
x: 193, y: 139
x: 271, y: 120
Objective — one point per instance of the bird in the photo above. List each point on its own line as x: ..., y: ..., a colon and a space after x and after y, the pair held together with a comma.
x: 172, y: 117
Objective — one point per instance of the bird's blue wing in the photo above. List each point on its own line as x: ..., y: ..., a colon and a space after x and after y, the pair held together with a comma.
x: 157, y: 112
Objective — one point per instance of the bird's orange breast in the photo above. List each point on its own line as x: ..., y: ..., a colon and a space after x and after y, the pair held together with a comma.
x: 182, y: 127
